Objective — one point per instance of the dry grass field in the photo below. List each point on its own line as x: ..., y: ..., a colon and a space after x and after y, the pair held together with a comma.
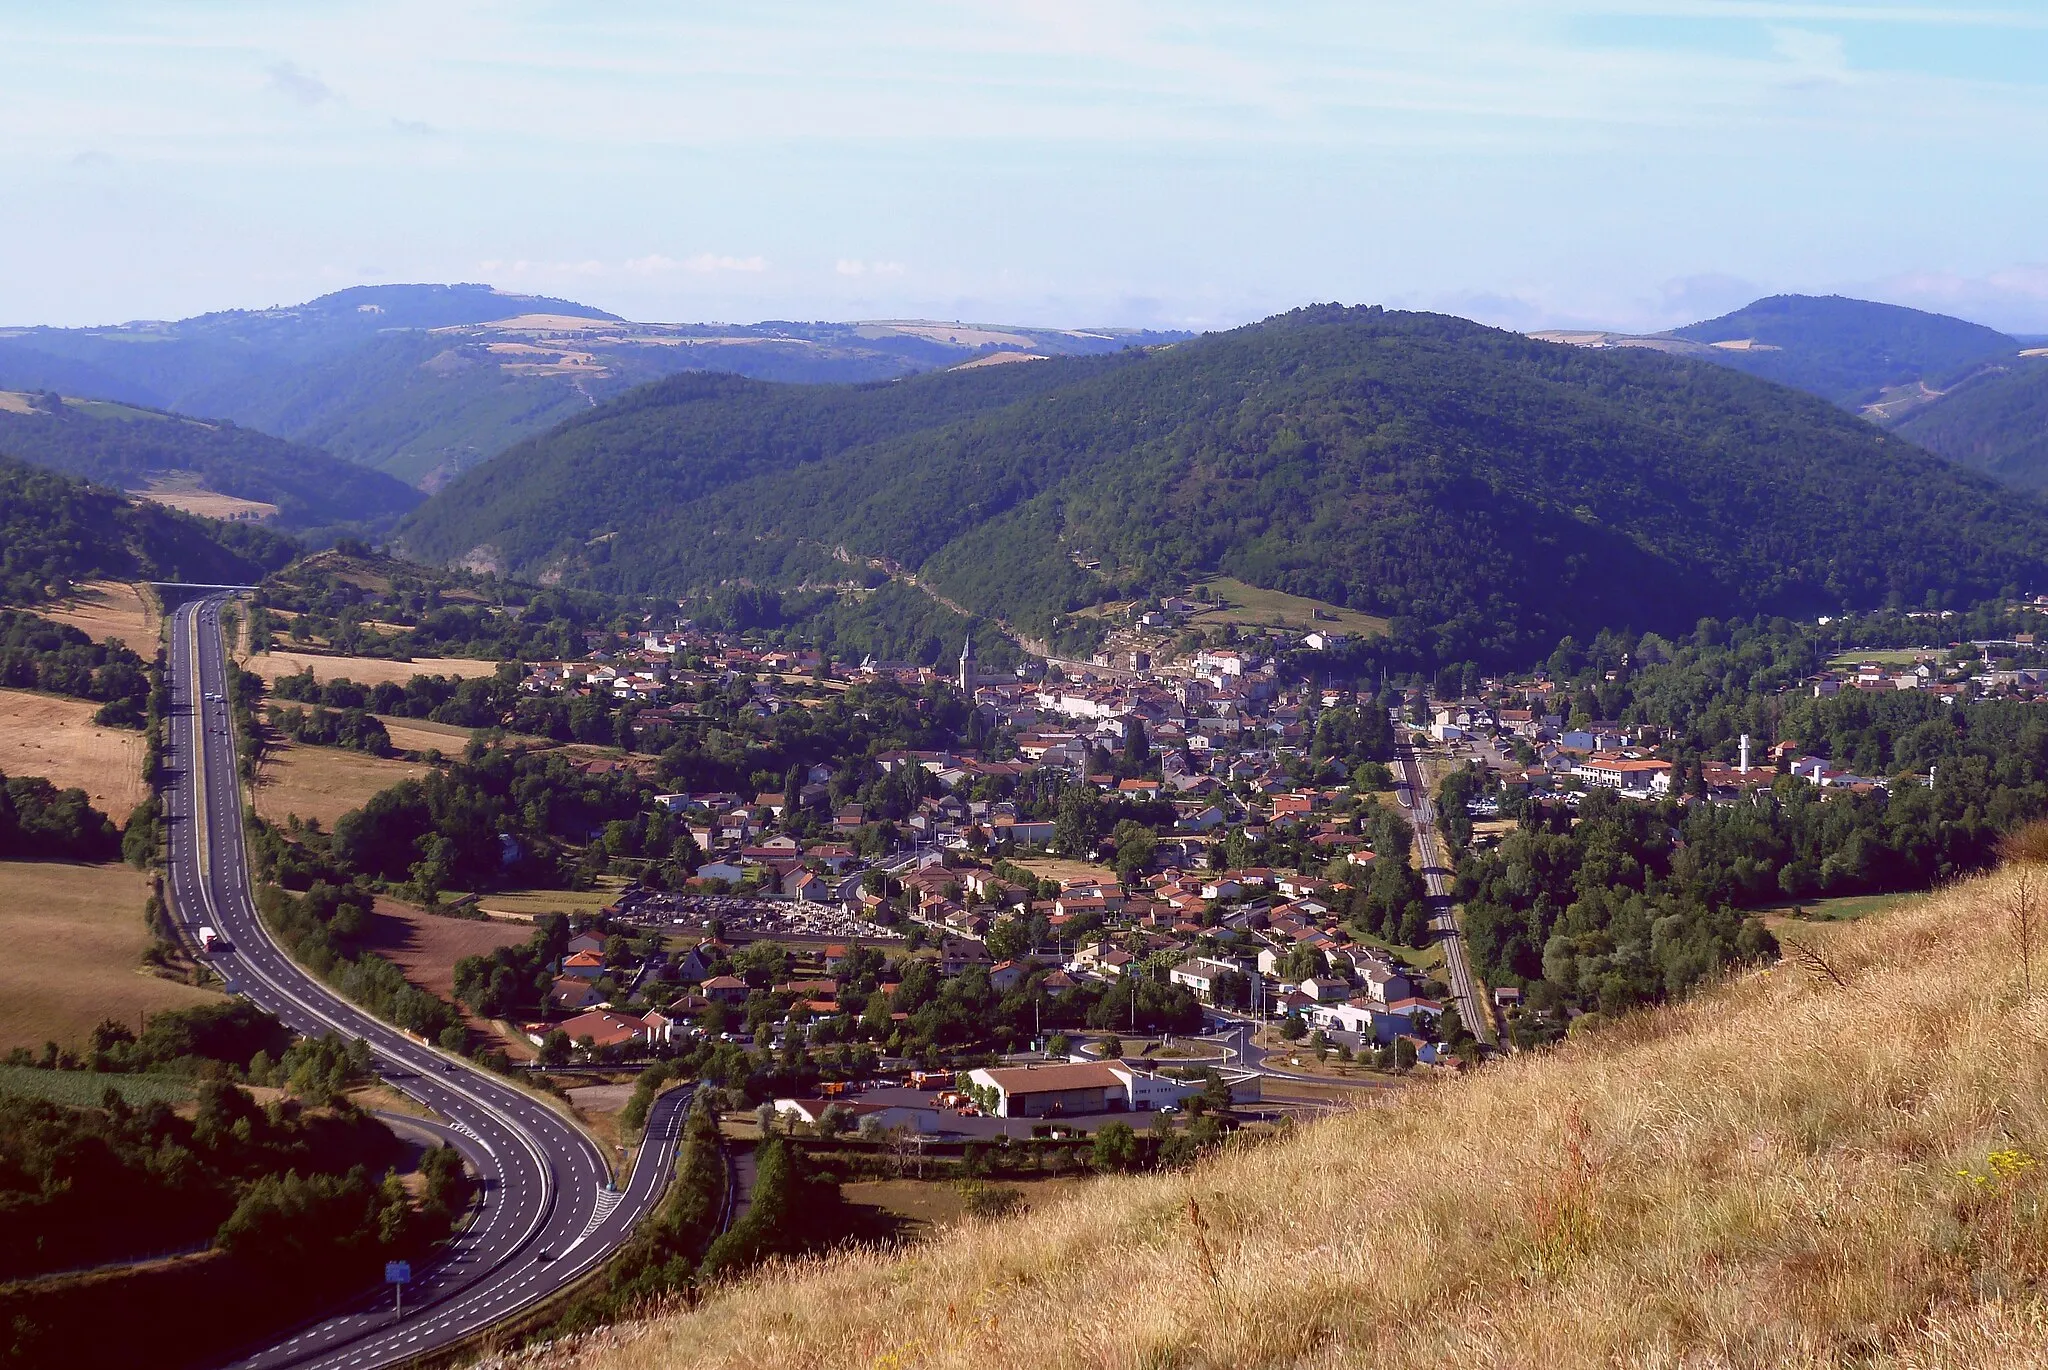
x: 364, y: 670
x: 524, y: 904
x: 107, y: 609
x: 74, y: 941
x: 426, y: 946
x: 419, y: 735
x: 1063, y: 868
x: 1796, y: 1169
x: 192, y: 499
x: 323, y: 782
x: 56, y: 738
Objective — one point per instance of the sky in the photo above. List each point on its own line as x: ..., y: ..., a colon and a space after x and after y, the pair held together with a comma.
x: 1630, y: 164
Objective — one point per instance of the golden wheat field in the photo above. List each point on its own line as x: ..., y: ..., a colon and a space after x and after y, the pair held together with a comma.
x: 55, y: 737
x: 1836, y: 1163
x: 105, y: 609
x: 75, y: 939
x: 323, y: 782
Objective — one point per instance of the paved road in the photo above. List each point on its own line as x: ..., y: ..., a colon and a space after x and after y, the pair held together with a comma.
x: 548, y: 1213
x: 1237, y: 1035
x: 1436, y: 877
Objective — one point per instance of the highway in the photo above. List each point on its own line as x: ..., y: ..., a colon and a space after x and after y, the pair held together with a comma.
x: 1436, y: 878
x: 548, y: 1210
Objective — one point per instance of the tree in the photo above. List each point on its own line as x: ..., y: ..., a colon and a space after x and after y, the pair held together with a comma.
x: 1078, y: 826
x: 1116, y: 1148
x: 1135, y: 845
x: 554, y: 1048
x: 1292, y: 1028
x: 1230, y: 989
x: 1112, y: 1048
x: 1302, y: 961
x: 1009, y: 938
x: 1137, y: 747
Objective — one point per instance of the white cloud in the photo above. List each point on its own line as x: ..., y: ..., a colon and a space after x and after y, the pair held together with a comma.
x: 300, y: 86
x: 702, y: 264
x: 2014, y: 298
x: 849, y: 266
x: 707, y: 262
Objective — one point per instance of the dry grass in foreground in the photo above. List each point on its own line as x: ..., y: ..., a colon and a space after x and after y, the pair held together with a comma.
x: 55, y: 737
x: 74, y: 940
x: 1810, y: 1167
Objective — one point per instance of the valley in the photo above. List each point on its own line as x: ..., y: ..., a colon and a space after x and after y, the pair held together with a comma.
x: 697, y: 815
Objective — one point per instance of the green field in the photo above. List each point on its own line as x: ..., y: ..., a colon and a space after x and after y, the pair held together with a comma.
x: 1885, y: 656
x: 1845, y: 909
x: 85, y: 1089
x: 1247, y: 606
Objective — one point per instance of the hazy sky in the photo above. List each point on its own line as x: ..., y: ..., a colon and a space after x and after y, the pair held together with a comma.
x: 1636, y: 163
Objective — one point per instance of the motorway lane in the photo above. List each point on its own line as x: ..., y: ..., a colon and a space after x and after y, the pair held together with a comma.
x: 548, y: 1214
x: 1436, y: 878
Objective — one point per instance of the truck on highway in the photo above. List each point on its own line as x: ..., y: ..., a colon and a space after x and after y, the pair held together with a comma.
x: 208, y: 940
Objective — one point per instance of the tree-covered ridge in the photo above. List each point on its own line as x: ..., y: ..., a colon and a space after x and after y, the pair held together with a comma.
x: 1844, y: 349
x: 127, y: 447
x: 1996, y: 422
x: 364, y: 604
x: 1487, y: 491
x: 57, y: 531
x: 608, y: 474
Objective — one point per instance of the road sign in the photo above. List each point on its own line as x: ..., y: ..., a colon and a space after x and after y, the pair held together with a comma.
x: 398, y: 1272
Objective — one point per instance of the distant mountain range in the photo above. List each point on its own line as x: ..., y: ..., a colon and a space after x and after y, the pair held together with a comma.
x: 423, y: 381
x: 1486, y: 491
x: 1965, y: 392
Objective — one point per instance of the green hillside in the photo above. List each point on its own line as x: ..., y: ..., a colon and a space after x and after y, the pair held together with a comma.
x: 1996, y: 422
x: 56, y: 531
x: 128, y: 446
x: 408, y: 404
x: 1842, y: 349
x: 1485, y: 491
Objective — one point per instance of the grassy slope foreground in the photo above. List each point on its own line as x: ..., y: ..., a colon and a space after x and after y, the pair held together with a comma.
x: 1784, y: 1172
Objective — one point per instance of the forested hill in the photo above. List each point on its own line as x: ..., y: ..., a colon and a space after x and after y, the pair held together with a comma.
x: 1488, y: 491
x: 1996, y: 422
x: 127, y: 446
x: 1846, y: 350
x: 56, y: 531
x: 601, y: 477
